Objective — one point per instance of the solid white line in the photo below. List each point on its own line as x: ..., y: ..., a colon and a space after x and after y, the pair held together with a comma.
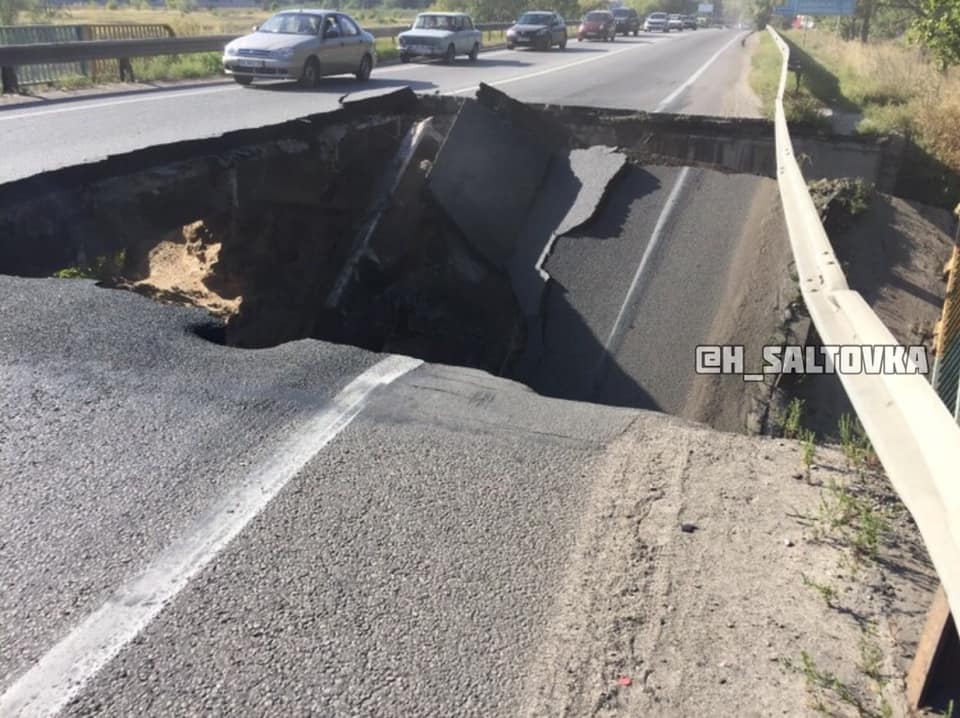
x: 662, y: 220
x: 549, y: 70
x: 114, y: 103
x: 693, y: 78
x: 62, y: 672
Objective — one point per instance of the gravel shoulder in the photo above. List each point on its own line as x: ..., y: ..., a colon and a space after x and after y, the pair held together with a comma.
x: 657, y: 621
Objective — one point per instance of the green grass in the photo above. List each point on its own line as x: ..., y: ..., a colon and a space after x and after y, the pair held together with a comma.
x: 800, y: 105
x: 827, y: 593
x: 765, y: 72
x: 177, y: 67
x: 828, y: 691
x: 852, y: 520
x: 101, y: 268
x: 808, y: 441
x: 895, y: 88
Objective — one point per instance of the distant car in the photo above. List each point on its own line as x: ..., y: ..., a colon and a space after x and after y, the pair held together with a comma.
x: 656, y: 22
x: 689, y: 22
x: 675, y: 22
x: 301, y: 45
x: 599, y: 25
x: 541, y: 29
x: 627, y: 20
x: 440, y: 34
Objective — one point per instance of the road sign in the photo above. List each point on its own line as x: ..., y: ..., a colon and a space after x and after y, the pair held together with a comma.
x: 705, y: 8
x: 817, y: 7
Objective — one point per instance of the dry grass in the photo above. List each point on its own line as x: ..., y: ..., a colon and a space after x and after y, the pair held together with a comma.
x: 896, y: 88
x: 226, y: 21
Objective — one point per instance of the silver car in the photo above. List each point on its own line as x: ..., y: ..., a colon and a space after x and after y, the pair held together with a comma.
x: 656, y: 22
x: 302, y: 45
x: 440, y: 34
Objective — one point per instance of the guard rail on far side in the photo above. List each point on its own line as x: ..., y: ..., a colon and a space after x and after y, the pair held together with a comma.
x: 912, y: 431
x: 14, y: 56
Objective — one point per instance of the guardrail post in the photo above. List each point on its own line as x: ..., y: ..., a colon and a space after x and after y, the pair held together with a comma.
x: 931, y: 667
x: 126, y: 70
x: 8, y: 76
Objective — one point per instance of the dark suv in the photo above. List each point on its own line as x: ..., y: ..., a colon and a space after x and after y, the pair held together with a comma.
x: 627, y: 20
x: 689, y: 22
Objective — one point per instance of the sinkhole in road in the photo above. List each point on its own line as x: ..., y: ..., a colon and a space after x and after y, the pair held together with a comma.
x: 402, y: 224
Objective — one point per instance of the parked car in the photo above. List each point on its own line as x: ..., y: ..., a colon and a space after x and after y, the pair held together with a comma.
x: 674, y: 22
x: 541, y: 29
x: 627, y: 20
x: 599, y: 25
x: 689, y: 22
x: 655, y: 22
x: 440, y: 34
x: 302, y: 45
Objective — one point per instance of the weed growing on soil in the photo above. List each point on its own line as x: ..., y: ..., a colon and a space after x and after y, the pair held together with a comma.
x: 791, y: 423
x: 808, y: 441
x: 871, y: 656
x: 101, y: 268
x: 852, y: 521
x: 856, y: 445
x: 840, y: 201
x: 826, y: 688
x: 827, y: 592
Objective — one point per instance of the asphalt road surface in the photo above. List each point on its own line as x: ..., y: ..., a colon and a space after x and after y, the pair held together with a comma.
x: 638, y: 288
x: 312, y: 529
x: 405, y: 568
x: 650, y: 72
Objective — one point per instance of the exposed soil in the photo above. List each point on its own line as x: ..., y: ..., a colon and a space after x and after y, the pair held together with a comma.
x: 181, y: 270
x: 701, y: 578
x: 893, y: 254
x: 758, y: 293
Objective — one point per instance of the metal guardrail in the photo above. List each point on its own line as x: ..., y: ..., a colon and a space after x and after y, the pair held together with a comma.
x: 72, y: 50
x: 914, y: 435
x: 54, y: 34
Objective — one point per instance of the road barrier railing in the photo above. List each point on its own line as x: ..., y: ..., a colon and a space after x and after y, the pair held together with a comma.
x: 913, y: 433
x: 60, y: 50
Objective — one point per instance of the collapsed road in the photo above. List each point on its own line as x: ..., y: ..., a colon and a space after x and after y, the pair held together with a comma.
x: 373, y: 226
x: 241, y: 504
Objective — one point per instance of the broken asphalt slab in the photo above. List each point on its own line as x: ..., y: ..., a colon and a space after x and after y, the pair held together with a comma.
x: 573, y: 190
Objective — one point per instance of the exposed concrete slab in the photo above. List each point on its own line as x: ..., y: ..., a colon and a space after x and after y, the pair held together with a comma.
x: 468, y: 179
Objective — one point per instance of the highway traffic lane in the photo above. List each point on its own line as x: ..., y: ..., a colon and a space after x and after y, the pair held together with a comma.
x: 69, y: 133
x: 410, y: 570
x: 421, y: 546
x: 638, y: 288
x: 591, y: 271
x: 678, y: 297
x: 119, y: 427
x: 652, y: 79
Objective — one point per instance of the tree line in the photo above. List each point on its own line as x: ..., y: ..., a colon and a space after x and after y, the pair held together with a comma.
x: 935, y: 24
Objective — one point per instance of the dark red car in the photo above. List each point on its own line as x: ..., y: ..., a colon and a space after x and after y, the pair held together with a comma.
x: 598, y: 25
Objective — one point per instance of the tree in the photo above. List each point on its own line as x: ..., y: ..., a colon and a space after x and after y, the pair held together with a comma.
x: 938, y: 28
x: 762, y: 12
x: 11, y: 9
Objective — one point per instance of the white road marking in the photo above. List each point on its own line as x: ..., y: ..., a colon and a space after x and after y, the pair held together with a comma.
x: 64, y: 670
x: 548, y: 71
x: 613, y: 339
x: 390, y: 69
x: 665, y: 102
x: 113, y: 103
